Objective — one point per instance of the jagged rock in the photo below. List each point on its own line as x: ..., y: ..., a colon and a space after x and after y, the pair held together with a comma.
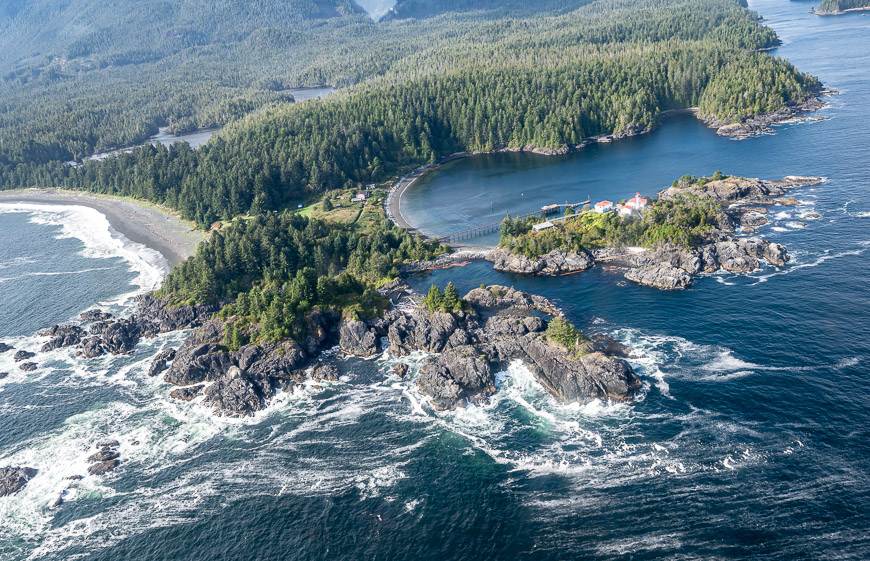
x: 590, y: 376
x: 551, y: 264
x: 28, y: 366
x: 357, y: 338
x: 62, y: 336
x: 513, y: 326
x: 104, y: 455
x: 108, y: 443
x: 116, y: 336
x: 272, y: 360
x: 663, y: 277
x: 738, y: 256
x: 609, y: 346
x: 457, y: 375
x: 400, y: 369
x: 102, y: 468
x: 23, y: 355
x: 3, y: 375
x: 14, y: 479
x: 497, y: 298
x: 95, y: 315
x: 324, y: 372
x: 673, y: 256
x: 234, y: 395
x: 196, y: 363
x: 775, y: 254
x: 743, y: 189
x: 161, y: 362
x: 187, y: 394
x: 6, y: 348
x: 165, y: 317
x: 429, y: 332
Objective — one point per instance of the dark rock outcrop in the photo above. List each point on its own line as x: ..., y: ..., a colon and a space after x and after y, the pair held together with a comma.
x: 458, y: 375
x: 6, y: 348
x: 91, y: 316
x: 4, y: 375
x: 672, y: 267
x: 663, y: 277
x: 28, y: 366
x: 502, y: 325
x: 357, y: 338
x: 23, y: 355
x: 106, y: 458
x: 400, y: 369
x: 234, y: 394
x: 198, y: 362
x: 102, y: 468
x: 61, y: 336
x: 188, y: 393
x: 161, y: 361
x: 324, y: 372
x: 14, y: 479
x: 551, y: 264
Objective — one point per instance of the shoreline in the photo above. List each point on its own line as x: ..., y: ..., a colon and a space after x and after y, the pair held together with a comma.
x: 140, y: 222
x: 841, y: 12
x: 393, y: 201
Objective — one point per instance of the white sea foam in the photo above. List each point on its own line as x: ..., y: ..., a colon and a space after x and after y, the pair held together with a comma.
x: 819, y: 260
x: 100, y: 239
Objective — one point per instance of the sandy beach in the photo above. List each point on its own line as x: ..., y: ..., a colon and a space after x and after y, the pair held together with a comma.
x: 144, y: 223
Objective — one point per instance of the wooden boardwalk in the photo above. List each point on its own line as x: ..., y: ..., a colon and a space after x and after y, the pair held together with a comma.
x: 492, y: 227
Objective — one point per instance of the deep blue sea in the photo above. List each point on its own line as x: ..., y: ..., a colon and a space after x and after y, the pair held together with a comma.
x: 750, y: 439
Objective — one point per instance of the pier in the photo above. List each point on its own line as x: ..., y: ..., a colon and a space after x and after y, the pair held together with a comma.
x: 491, y: 227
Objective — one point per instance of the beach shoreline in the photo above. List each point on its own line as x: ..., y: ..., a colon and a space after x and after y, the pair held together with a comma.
x: 143, y: 223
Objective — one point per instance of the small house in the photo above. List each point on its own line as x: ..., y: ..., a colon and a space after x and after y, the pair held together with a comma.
x: 360, y: 197
x: 624, y: 210
x: 542, y: 226
x: 603, y: 206
x: 637, y: 203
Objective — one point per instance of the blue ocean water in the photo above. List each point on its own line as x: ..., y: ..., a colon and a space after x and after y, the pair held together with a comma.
x: 749, y: 441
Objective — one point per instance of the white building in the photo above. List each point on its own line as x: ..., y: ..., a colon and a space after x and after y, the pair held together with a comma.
x: 624, y: 210
x: 542, y: 226
x: 603, y: 206
x: 637, y: 203
x: 360, y: 197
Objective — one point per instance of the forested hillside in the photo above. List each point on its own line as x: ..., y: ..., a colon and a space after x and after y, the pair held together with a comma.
x: 608, y: 68
x: 426, y: 8
x: 837, y: 6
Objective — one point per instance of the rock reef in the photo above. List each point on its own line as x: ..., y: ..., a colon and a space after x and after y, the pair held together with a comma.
x: 501, y: 325
x: 14, y: 479
x: 554, y: 263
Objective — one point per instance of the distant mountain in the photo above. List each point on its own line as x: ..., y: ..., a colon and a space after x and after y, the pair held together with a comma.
x: 34, y: 33
x: 419, y: 9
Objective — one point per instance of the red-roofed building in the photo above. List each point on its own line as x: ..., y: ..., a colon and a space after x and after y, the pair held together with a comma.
x: 603, y: 206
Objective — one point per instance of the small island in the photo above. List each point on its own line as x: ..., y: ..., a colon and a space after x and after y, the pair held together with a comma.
x: 692, y: 227
x: 837, y: 7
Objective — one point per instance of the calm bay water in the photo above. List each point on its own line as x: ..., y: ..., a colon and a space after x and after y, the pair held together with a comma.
x: 750, y: 439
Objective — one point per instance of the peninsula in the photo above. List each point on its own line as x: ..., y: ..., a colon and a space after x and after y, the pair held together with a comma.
x: 697, y: 225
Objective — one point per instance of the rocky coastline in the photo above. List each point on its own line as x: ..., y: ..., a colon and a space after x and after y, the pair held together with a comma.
x: 464, y: 349
x: 670, y: 267
x: 764, y: 123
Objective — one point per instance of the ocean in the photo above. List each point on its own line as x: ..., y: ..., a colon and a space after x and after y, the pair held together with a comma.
x: 749, y: 439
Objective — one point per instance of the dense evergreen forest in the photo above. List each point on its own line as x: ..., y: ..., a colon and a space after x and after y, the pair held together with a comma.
x: 271, y: 272
x: 481, y: 83
x: 837, y: 6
